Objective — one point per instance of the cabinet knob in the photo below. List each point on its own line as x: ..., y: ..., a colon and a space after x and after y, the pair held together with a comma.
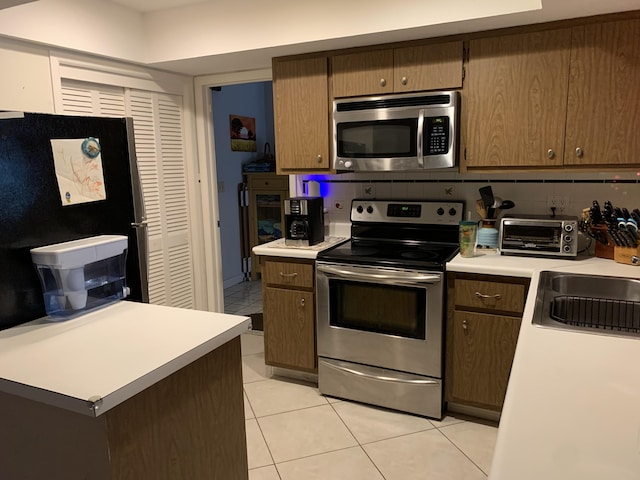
x: 465, y: 326
x: 404, y: 80
x: 579, y: 152
x: 319, y: 158
x: 302, y: 302
x: 551, y: 153
x: 383, y: 82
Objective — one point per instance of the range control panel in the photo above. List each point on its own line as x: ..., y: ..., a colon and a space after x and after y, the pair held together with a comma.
x: 406, y: 211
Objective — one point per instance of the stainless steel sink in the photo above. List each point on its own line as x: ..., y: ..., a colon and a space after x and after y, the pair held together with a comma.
x: 588, y: 303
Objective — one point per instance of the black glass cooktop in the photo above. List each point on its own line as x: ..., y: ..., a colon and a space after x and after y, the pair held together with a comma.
x: 374, y: 252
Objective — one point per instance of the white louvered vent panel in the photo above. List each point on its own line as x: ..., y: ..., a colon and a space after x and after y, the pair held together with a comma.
x: 80, y: 98
x: 180, y: 266
x: 112, y: 104
x: 76, y: 101
x: 142, y: 110
x: 157, y: 275
x: 173, y: 164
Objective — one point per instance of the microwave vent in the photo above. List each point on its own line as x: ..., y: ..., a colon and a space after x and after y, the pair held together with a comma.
x: 392, y: 102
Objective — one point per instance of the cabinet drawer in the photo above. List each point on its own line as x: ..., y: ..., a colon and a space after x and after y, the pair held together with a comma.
x: 288, y: 274
x: 491, y: 296
x: 273, y: 182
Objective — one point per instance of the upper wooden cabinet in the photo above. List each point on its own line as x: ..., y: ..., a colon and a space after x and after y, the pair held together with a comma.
x: 406, y: 69
x: 554, y: 98
x: 301, y: 114
x: 516, y: 98
x: 604, y: 95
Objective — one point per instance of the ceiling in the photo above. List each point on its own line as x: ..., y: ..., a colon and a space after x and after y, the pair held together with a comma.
x: 146, y: 6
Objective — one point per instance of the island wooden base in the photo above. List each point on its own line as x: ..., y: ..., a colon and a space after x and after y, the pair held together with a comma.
x: 189, y: 426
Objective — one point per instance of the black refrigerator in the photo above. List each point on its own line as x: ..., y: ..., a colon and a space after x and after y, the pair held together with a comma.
x: 64, y: 178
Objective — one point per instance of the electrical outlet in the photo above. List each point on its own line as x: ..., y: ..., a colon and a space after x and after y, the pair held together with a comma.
x: 369, y: 191
x: 557, y: 202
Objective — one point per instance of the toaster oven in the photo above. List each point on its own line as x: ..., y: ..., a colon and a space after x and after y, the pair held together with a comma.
x: 539, y: 235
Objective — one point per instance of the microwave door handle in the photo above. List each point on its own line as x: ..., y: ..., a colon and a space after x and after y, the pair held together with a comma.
x: 421, y: 115
x: 379, y: 276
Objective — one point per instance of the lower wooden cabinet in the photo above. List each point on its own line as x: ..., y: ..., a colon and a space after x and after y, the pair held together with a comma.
x: 483, y: 322
x: 289, y: 313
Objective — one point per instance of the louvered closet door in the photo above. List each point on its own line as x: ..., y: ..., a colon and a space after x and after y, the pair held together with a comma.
x: 159, y: 135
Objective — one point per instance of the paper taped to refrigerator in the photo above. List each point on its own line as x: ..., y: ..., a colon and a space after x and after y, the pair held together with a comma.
x: 78, y: 164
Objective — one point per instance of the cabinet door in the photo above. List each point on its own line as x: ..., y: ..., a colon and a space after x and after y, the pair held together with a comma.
x: 604, y: 94
x: 266, y: 220
x: 364, y: 73
x: 289, y: 331
x: 483, y: 349
x: 428, y: 67
x: 516, y: 97
x: 301, y: 114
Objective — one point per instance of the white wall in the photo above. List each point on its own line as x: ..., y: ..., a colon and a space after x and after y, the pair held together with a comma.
x: 89, y: 26
x: 225, y: 35
x: 250, y: 100
x: 25, y: 78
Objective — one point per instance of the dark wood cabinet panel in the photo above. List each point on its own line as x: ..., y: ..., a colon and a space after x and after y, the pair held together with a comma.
x: 516, y: 97
x: 289, y: 328
x: 483, y: 349
x: 604, y: 94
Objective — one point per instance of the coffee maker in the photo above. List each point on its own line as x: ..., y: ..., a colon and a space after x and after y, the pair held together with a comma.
x: 304, y: 221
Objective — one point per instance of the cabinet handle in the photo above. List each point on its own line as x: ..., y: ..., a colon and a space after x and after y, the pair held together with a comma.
x: 404, y: 80
x: 302, y: 302
x: 579, y: 152
x: 383, y: 82
x: 465, y: 327
x: 290, y: 275
x: 497, y: 296
x: 551, y: 153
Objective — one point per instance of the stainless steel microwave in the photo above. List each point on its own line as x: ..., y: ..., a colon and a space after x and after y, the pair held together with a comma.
x: 539, y: 235
x: 414, y: 131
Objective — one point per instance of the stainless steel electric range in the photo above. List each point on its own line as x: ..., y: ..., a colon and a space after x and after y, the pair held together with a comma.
x: 380, y: 305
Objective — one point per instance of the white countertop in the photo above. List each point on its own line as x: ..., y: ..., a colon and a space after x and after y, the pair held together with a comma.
x: 572, y: 410
x: 277, y: 248
x: 108, y: 355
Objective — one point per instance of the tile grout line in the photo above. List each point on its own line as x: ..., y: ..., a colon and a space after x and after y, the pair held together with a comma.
x: 463, y: 453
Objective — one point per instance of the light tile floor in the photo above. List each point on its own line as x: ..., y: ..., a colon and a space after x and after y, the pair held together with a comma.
x: 294, y: 433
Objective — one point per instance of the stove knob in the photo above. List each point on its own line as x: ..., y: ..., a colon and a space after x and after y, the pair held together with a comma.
x: 452, y: 211
x: 369, y: 209
x: 440, y: 211
x: 359, y: 209
x: 348, y: 164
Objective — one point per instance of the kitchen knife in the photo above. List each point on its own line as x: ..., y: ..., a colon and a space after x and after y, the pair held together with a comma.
x: 486, y: 193
x: 595, y: 213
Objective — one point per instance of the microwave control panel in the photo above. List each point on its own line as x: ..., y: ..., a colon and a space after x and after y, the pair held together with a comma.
x: 436, y: 135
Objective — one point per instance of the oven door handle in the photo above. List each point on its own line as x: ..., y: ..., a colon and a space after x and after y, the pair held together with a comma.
x: 381, y: 377
x: 403, y: 277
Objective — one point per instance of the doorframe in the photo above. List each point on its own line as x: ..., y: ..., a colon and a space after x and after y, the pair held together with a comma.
x: 208, y: 177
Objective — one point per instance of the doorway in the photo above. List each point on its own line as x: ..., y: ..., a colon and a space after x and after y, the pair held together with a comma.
x: 247, y: 100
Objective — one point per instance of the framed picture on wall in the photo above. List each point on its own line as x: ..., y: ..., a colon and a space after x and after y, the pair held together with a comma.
x: 243, y: 133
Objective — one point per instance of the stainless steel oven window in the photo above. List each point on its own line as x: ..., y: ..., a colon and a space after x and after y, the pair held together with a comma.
x: 386, y: 309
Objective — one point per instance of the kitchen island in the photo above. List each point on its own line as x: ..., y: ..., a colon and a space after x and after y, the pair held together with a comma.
x: 571, y: 408
x: 131, y: 390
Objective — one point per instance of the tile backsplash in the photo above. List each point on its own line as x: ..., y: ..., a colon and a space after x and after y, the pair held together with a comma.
x: 531, y: 192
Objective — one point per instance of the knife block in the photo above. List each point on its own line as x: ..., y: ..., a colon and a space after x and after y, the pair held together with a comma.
x: 624, y: 254
x: 603, y: 251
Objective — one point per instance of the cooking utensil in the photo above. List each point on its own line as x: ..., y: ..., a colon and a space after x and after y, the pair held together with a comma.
x: 480, y: 208
x: 506, y: 205
x: 486, y: 193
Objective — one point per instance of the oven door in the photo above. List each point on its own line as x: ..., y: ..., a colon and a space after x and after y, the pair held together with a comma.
x: 385, y: 317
